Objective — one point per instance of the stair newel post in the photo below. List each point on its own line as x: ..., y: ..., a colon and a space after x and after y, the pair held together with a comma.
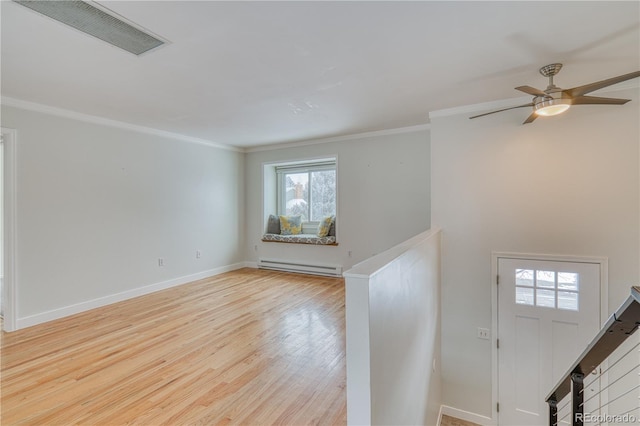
x: 577, y: 395
x: 553, y: 412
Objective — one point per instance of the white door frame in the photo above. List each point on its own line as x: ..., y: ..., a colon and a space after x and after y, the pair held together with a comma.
x: 495, y: 256
x: 9, y: 285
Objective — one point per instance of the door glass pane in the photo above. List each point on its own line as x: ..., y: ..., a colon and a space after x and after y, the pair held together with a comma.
x: 546, y: 279
x: 546, y: 298
x: 568, y: 300
x: 524, y: 296
x: 568, y: 281
x: 524, y: 277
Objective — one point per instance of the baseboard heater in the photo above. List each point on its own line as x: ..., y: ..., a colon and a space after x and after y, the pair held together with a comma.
x: 300, y: 267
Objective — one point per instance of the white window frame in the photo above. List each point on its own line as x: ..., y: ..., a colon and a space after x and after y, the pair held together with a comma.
x: 307, y: 166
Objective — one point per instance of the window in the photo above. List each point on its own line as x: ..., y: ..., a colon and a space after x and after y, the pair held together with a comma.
x: 307, y: 189
x: 549, y: 289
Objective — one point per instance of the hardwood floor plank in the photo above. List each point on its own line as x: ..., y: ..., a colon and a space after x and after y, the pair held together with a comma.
x: 245, y: 347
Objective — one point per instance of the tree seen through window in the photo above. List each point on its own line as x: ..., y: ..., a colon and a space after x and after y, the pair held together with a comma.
x: 310, y: 194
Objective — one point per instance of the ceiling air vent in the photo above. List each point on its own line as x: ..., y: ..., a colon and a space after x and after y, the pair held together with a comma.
x: 98, y: 22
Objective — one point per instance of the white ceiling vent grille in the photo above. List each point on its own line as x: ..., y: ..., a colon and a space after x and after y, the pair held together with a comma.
x: 102, y: 24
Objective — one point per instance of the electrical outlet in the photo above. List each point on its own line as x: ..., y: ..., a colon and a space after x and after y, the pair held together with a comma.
x: 160, y: 261
x: 349, y: 253
x: 198, y: 254
x: 483, y: 333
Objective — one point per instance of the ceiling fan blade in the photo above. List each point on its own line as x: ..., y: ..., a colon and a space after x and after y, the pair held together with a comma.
x: 529, y: 119
x: 595, y: 100
x: 531, y: 90
x: 587, y: 88
x: 500, y: 110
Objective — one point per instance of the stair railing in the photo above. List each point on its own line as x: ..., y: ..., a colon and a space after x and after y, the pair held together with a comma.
x: 618, y: 328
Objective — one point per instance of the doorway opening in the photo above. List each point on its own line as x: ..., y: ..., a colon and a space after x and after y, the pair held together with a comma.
x: 545, y: 309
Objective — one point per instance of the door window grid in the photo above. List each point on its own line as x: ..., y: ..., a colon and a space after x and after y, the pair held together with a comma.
x: 550, y: 289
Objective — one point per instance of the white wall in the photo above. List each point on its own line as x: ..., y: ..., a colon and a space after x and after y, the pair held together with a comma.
x: 383, y: 196
x: 393, y: 335
x: 97, y: 206
x: 563, y: 185
x: 1, y: 214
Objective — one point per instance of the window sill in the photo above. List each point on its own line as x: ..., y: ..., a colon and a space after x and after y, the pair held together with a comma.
x: 300, y: 239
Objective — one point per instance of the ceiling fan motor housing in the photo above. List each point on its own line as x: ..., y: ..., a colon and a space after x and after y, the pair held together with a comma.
x: 550, y: 70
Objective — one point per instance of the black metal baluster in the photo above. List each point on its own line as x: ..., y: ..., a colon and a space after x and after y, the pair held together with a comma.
x: 577, y: 386
x: 553, y: 412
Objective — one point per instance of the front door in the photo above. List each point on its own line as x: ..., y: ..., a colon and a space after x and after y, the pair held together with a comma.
x: 548, y: 312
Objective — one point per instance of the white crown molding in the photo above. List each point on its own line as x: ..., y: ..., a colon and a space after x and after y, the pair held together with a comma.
x: 484, y: 106
x: 506, y: 103
x: 60, y: 112
x: 353, y: 136
x: 65, y: 113
x: 465, y: 109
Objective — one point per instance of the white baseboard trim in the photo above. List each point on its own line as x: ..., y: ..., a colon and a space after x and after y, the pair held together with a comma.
x: 250, y: 264
x: 77, y: 308
x: 465, y: 415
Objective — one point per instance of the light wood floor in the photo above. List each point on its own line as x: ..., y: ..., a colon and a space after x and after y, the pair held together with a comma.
x: 454, y: 421
x: 246, y: 347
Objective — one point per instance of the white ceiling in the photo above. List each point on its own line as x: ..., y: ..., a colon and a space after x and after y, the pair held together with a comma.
x: 253, y: 73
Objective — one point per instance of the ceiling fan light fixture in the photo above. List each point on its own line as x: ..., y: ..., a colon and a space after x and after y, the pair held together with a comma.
x: 548, y: 106
x: 554, y: 100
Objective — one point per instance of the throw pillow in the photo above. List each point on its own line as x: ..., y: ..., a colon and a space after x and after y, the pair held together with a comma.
x: 273, y: 225
x: 290, y: 225
x: 324, y: 226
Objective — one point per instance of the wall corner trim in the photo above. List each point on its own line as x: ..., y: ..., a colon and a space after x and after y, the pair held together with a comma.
x: 10, y: 228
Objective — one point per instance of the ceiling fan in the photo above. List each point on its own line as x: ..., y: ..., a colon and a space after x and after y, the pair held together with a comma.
x: 555, y: 100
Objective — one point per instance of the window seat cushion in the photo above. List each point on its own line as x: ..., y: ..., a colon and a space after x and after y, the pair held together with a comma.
x: 329, y: 240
